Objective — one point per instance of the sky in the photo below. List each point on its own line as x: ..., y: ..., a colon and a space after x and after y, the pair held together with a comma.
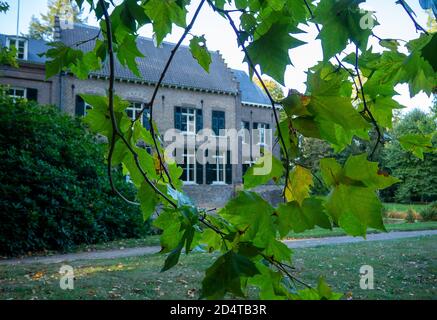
x: 393, y: 23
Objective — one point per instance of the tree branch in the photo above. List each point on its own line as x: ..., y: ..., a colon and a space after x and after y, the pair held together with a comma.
x: 115, y: 130
x: 416, y: 24
x: 272, y: 101
x: 158, y: 85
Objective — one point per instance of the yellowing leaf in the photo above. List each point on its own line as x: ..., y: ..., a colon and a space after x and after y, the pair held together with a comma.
x: 299, y: 184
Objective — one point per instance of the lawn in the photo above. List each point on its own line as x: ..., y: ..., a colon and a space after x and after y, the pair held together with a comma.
x: 401, y: 207
x: 320, y: 233
x: 404, y: 269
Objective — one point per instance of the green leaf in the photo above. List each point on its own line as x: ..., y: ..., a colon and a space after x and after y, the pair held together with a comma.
x: 331, y: 171
x: 127, y: 52
x: 227, y: 275
x: 299, y: 184
x: 62, y: 58
x: 169, y: 221
x: 265, y: 169
x: 252, y: 217
x: 172, y: 259
x: 322, y: 292
x: 148, y: 200
x: 270, y: 283
x: 360, y: 169
x: 296, y: 217
x: 342, y: 21
x: 353, y: 203
x: 429, y: 50
x: 355, y: 209
x: 200, y: 52
x: 163, y: 14
x: 417, y: 144
x: 270, y: 51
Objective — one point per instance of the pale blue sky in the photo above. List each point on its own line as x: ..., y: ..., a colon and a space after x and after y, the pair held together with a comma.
x: 394, y: 23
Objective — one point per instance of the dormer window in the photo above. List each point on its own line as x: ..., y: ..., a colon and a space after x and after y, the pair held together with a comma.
x: 20, y: 44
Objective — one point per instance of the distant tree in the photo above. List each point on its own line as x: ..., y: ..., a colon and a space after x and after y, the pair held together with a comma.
x: 43, y: 27
x: 419, y: 178
x: 274, y: 88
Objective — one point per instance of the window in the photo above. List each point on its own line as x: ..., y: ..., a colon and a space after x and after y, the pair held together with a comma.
x: 17, y: 93
x: 262, y: 132
x: 245, y: 131
x: 188, y: 120
x: 218, y: 122
x: 81, y: 107
x: 21, y: 45
x: 189, y: 166
x: 220, y: 170
x: 134, y: 110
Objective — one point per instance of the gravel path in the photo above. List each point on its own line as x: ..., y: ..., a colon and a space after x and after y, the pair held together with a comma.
x: 133, y: 252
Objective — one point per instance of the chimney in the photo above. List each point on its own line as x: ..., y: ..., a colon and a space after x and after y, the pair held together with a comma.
x: 57, y: 29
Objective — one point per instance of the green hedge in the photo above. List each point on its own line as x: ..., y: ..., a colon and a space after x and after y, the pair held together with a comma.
x: 53, y: 184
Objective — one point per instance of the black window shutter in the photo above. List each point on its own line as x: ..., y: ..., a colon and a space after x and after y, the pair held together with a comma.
x: 255, y: 125
x: 210, y: 170
x: 199, y: 173
x: 267, y: 126
x: 32, y: 94
x: 199, y: 120
x: 177, y: 118
x: 146, y: 123
x: 222, y: 123
x: 80, y: 106
x: 228, y: 168
x: 218, y: 121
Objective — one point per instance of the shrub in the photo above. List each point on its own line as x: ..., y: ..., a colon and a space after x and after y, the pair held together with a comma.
x: 53, y: 183
x: 430, y: 212
x: 410, y: 217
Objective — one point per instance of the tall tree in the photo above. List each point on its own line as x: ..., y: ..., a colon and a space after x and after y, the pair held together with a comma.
x: 419, y: 177
x: 274, y: 87
x: 42, y: 28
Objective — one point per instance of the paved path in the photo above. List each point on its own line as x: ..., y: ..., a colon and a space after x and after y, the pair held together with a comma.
x: 133, y: 252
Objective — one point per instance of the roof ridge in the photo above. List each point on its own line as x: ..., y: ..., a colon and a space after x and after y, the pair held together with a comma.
x: 145, y: 38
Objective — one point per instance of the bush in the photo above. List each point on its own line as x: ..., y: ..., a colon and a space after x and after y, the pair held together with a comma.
x: 410, y: 217
x: 53, y: 184
x: 430, y: 212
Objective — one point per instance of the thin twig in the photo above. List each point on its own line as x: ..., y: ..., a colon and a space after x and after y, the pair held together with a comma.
x: 115, y: 130
x: 416, y: 24
x: 88, y: 40
x: 366, y: 108
x: 158, y: 85
x: 272, y: 101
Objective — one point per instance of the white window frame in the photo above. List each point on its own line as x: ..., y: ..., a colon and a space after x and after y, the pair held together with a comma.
x: 86, y: 107
x: 244, y: 138
x: 220, y: 167
x: 190, y: 113
x: 15, y: 89
x: 189, y: 157
x: 262, y: 127
x: 135, y: 107
x: 13, y: 41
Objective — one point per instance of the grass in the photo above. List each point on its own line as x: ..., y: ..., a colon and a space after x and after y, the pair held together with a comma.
x: 314, y: 233
x: 335, y: 232
x: 404, y: 269
x: 400, y: 207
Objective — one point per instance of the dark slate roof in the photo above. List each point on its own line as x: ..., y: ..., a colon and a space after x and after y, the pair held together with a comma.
x: 184, y: 70
x: 250, y: 92
x: 34, y: 47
